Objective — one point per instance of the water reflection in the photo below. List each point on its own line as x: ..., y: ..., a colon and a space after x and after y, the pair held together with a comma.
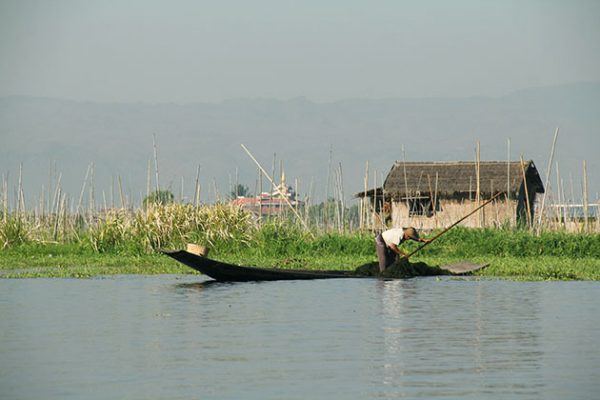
x: 177, y: 337
x: 200, y: 286
x: 435, y: 336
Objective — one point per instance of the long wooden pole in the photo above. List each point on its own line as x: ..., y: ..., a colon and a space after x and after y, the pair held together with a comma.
x: 197, y: 187
x: 454, y: 224
x: 478, y: 194
x: 156, y: 164
x: 509, y: 212
x: 585, y: 198
x: 363, y: 202
x: 547, y: 182
x: 277, y: 188
x: 526, y: 192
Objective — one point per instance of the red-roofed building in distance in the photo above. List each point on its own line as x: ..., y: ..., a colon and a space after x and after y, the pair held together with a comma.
x: 274, y: 203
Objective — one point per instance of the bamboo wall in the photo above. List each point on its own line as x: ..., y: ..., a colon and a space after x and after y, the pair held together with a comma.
x: 497, y: 213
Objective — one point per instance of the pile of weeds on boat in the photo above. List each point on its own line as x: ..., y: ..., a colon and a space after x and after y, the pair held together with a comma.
x: 400, y: 269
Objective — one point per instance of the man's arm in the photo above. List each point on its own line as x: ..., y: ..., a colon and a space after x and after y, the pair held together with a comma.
x: 397, y: 250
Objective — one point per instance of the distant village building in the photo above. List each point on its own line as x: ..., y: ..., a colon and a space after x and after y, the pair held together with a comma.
x: 430, y: 195
x: 274, y: 203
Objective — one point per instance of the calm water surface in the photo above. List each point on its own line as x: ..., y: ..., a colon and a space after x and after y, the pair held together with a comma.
x: 177, y: 337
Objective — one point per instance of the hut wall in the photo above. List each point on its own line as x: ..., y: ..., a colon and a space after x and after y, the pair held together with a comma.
x: 495, y: 214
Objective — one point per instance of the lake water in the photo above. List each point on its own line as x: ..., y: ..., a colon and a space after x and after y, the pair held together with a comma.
x: 177, y: 337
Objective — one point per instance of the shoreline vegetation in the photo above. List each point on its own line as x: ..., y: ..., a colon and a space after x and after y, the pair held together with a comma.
x: 128, y: 242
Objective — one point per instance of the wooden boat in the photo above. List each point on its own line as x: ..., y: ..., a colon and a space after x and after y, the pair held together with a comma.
x: 225, y: 272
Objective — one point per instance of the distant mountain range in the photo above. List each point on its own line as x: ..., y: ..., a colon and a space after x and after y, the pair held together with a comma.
x: 51, y: 137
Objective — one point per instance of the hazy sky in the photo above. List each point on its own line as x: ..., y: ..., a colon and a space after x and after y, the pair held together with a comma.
x: 189, y: 51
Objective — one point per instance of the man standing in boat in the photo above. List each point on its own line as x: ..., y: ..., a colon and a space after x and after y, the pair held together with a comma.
x: 387, y: 244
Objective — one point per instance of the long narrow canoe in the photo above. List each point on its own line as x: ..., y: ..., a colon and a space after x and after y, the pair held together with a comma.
x: 224, y: 272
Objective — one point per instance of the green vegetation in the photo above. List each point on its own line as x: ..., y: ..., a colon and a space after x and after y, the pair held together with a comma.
x: 158, y: 197
x: 126, y: 242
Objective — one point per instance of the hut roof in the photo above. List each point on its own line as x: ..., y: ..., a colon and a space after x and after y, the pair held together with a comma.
x: 459, y: 178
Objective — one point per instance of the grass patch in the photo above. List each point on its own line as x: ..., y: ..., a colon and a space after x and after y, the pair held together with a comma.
x: 122, y: 243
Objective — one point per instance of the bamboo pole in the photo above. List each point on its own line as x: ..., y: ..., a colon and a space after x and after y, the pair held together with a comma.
x: 64, y: 216
x: 435, y: 200
x: 509, y: 212
x: 197, y: 187
x: 526, y: 193
x: 564, y: 198
x: 92, y: 190
x: 478, y: 194
x: 148, y: 178
x: 560, y: 196
x: 104, y: 201
x: 50, y: 188
x: 56, y: 193
x: 374, y: 213
x: 308, y: 198
x: 326, y: 208
x: 343, y: 204
x: 430, y: 193
x: 558, y: 202
x: 5, y: 196
x: 585, y: 198
x: 181, y: 191
x: 296, y: 191
x: 112, y: 192
x: 121, y: 191
x: 282, y: 195
x: 82, y: 190
x: 260, y: 197
x: 272, y: 185
x: 364, y: 203
x: 283, y: 190
x: 156, y: 163
x: 597, y: 214
x: 56, y: 212
x: 406, y: 194
x: 547, y: 182
x: 42, y: 203
x: 20, y: 191
x: 217, y: 194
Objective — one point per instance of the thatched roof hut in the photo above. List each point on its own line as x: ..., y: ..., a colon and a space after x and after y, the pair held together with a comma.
x: 414, y: 192
x: 458, y: 179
